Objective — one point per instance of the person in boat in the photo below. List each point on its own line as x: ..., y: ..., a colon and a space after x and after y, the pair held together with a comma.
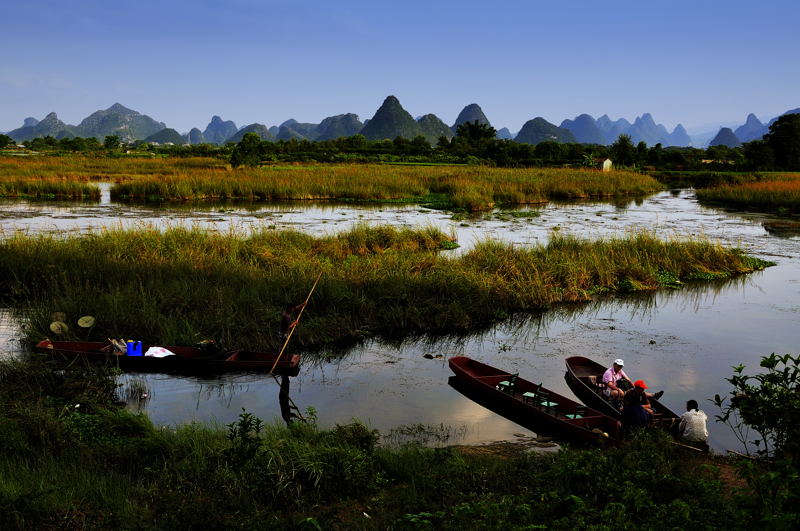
x: 612, y: 378
x: 692, y: 426
x: 634, y: 409
x: 288, y: 321
x: 638, y: 396
x: 617, y: 382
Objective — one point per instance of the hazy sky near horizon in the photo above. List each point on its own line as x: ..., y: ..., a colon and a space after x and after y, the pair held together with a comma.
x: 180, y: 62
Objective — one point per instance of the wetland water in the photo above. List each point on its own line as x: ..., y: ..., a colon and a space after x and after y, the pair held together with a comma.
x: 684, y: 341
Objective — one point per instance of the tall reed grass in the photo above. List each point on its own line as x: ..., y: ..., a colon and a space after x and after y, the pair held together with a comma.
x: 463, y: 187
x: 470, y: 188
x: 178, y: 286
x: 779, y: 192
x: 47, y: 188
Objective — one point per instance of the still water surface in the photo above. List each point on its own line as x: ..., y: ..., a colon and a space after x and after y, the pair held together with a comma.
x: 684, y: 341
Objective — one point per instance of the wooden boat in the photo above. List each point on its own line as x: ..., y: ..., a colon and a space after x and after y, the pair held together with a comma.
x: 585, y: 379
x: 185, y: 359
x: 533, y: 403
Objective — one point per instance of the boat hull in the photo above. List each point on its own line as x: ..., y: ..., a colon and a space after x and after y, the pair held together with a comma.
x: 481, y: 379
x: 185, y: 360
x: 579, y: 372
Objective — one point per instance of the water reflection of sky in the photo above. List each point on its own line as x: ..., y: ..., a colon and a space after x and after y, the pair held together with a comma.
x: 684, y: 342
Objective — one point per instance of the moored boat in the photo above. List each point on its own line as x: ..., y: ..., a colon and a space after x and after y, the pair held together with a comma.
x: 585, y: 378
x: 182, y: 360
x: 534, y: 404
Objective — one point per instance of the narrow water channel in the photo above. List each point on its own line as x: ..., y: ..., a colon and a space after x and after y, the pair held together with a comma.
x: 683, y: 341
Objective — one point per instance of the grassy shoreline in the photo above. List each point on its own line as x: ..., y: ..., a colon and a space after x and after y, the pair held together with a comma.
x: 74, y: 459
x: 169, y: 287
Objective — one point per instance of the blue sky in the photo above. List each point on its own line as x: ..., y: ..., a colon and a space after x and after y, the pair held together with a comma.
x: 695, y: 62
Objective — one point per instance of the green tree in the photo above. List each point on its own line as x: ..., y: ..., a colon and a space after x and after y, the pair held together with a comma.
x: 112, y: 142
x: 784, y: 139
x: 475, y: 132
x: 769, y: 403
x: 758, y: 155
x: 623, y: 152
x: 248, y: 151
x: 5, y: 140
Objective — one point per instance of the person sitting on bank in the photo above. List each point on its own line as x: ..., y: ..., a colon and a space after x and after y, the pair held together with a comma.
x: 612, y: 378
x: 288, y: 321
x: 692, y: 426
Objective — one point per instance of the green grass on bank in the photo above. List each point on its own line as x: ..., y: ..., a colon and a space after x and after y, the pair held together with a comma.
x: 71, y: 459
x: 176, y: 286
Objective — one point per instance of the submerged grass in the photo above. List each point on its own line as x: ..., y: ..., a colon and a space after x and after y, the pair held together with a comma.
x: 176, y: 286
x: 779, y: 192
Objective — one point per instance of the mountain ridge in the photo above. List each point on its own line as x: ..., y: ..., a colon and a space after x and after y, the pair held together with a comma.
x: 391, y: 120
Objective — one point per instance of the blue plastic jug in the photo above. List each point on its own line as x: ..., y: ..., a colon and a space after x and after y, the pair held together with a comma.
x: 134, y: 348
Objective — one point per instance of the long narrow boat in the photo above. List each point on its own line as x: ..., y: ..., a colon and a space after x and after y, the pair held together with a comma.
x: 184, y: 360
x: 536, y: 405
x: 585, y: 379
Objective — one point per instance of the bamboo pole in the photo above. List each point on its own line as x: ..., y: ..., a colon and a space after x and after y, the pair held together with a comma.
x: 285, y: 343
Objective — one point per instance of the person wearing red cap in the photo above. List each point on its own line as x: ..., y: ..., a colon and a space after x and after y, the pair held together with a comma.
x: 635, y: 408
x: 637, y: 395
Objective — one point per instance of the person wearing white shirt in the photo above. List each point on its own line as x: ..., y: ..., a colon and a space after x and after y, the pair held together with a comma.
x: 692, y: 426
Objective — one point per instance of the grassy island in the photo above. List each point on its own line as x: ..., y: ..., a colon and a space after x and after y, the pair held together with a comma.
x: 777, y: 192
x: 168, y: 287
x: 455, y: 187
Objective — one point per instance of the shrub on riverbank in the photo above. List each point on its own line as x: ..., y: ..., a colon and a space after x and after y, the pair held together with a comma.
x: 176, y: 286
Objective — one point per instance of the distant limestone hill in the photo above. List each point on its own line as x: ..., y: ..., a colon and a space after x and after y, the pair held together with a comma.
x: 195, y: 136
x: 585, y: 130
x: 390, y: 121
x: 751, y: 129
x: 470, y: 113
x: 432, y: 128
x: 678, y: 137
x: 217, y: 131
x: 259, y: 129
x: 166, y: 136
x: 339, y: 126
x: 118, y: 120
x: 612, y: 129
x: 540, y: 130
x: 644, y: 129
x: 725, y: 137
x: 294, y: 129
x: 49, y: 126
x: 504, y: 134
